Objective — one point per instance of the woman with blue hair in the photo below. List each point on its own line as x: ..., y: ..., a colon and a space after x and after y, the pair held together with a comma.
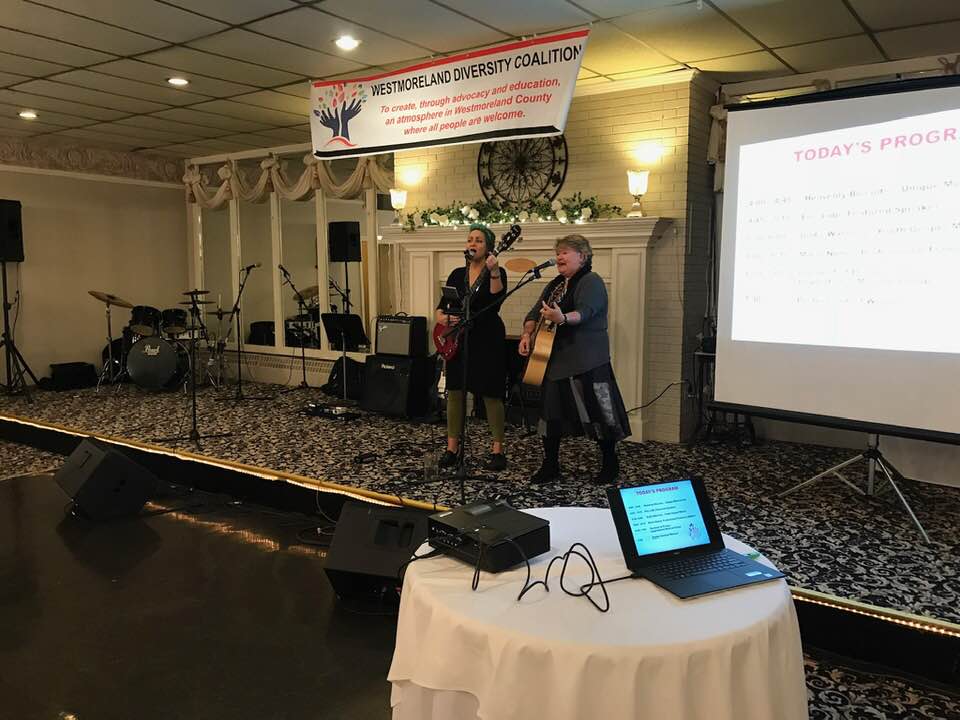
x: 486, y: 282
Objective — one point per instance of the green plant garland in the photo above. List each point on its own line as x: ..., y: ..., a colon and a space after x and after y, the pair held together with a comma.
x: 573, y: 209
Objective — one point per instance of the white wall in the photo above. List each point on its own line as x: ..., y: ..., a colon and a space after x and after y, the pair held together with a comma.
x: 81, y: 234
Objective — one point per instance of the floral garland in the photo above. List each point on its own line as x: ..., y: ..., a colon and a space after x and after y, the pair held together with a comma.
x: 573, y: 209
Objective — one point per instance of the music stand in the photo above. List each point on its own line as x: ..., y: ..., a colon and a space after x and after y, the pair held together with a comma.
x: 345, y: 333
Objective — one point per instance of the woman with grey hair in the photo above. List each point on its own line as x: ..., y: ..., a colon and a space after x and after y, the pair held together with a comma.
x: 579, y: 395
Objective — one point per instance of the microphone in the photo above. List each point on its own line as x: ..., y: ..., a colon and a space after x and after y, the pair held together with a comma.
x: 283, y: 270
x: 544, y: 265
x: 469, y: 254
x: 248, y: 268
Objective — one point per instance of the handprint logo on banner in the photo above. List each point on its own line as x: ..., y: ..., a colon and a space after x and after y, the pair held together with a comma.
x: 337, y: 106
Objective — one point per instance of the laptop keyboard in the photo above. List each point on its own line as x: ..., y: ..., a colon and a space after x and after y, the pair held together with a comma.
x: 688, y: 567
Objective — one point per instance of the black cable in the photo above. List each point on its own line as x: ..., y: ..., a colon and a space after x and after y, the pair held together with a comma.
x: 641, y: 407
x: 584, y: 590
x: 323, y: 532
x: 401, y: 571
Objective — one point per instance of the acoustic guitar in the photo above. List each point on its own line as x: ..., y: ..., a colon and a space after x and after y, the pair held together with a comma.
x: 541, y: 345
x: 446, y: 338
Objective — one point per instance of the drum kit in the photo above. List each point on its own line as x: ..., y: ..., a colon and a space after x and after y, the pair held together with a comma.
x: 154, y: 350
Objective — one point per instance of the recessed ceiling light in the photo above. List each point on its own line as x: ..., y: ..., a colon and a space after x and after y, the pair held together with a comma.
x: 28, y: 114
x: 347, y: 42
x: 178, y: 81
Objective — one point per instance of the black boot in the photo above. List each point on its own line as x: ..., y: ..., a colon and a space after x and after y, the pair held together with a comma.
x: 550, y: 468
x: 610, y: 465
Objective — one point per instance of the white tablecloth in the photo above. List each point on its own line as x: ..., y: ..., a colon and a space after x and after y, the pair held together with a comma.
x: 460, y: 654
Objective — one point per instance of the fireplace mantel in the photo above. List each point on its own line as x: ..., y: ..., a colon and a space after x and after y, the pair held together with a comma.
x: 423, y: 259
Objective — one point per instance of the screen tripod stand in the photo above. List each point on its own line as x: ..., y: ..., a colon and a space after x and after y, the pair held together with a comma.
x: 16, y: 366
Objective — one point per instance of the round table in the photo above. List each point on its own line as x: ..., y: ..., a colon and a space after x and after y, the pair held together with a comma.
x: 460, y: 654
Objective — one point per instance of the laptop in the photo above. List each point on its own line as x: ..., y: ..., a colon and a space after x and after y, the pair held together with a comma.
x: 669, y: 535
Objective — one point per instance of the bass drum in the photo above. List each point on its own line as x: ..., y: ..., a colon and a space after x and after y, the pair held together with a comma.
x: 157, y: 364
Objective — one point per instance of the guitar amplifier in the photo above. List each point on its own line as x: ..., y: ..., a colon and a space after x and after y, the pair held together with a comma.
x: 396, y: 386
x: 404, y: 335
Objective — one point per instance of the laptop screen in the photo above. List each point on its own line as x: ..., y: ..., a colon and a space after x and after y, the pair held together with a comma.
x: 664, y: 517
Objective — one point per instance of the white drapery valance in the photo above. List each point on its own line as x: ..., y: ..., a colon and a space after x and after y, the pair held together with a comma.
x: 316, y: 175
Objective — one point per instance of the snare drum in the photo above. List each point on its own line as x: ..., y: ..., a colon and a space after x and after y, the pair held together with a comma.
x: 174, y: 321
x: 145, y: 320
x: 157, y: 364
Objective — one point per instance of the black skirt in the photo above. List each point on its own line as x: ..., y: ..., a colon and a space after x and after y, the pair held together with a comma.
x: 588, y: 404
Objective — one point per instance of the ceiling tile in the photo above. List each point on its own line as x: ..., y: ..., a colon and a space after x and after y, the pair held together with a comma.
x: 523, y: 18
x: 686, y: 34
x: 789, y: 22
x: 183, y: 129
x: 28, y: 66
x: 142, y: 136
x: 884, y: 14
x: 286, y: 136
x: 183, y: 151
x: 89, y: 97
x: 47, y: 116
x: 300, y: 89
x: 250, y: 141
x: 27, y: 126
x: 235, y: 12
x: 921, y: 41
x: 610, y: 51
x: 646, y: 73
x: 41, y: 102
x: 42, y: 48
x: 207, y: 147
x: 251, y: 112
x: 158, y: 93
x: 314, y: 29
x: 16, y: 132
x: 743, y: 67
x: 103, y: 140
x: 20, y: 15
x: 274, y: 53
x: 211, y: 120
x: 144, y: 16
x: 183, y: 58
x: 149, y: 73
x: 830, y: 54
x: 12, y: 79
x: 277, y: 101
x: 614, y: 8
x: 445, y: 30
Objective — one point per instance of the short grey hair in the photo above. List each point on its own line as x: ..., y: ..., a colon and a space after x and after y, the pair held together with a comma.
x: 576, y: 242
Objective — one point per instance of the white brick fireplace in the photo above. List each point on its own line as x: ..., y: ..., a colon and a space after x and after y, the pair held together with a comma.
x: 422, y: 260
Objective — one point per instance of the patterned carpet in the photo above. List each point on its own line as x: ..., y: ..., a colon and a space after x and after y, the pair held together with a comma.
x: 825, y: 538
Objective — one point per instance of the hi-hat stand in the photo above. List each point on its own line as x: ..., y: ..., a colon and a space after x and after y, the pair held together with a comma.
x: 196, y: 322
x: 301, y: 312
x: 874, y: 459
x: 16, y: 366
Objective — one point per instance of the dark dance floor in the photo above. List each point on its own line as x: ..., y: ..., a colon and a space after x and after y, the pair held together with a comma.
x: 202, y: 608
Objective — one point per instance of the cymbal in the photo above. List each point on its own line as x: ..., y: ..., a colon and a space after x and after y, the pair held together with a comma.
x: 197, y: 292
x: 110, y: 299
x: 198, y: 302
x: 310, y: 292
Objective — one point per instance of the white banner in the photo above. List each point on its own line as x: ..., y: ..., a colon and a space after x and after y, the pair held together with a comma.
x: 521, y: 89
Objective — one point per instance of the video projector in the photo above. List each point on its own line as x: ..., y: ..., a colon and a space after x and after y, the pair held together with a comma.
x: 493, y: 534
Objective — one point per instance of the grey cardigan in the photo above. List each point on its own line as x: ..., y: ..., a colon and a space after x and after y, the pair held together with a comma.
x: 586, y: 345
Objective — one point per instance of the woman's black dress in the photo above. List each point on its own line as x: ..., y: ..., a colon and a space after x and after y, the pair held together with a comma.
x: 487, y: 366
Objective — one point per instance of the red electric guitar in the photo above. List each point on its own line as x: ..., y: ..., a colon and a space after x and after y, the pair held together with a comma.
x: 447, y: 337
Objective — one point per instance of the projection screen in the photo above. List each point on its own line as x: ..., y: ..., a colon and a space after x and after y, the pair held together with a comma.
x: 840, y: 259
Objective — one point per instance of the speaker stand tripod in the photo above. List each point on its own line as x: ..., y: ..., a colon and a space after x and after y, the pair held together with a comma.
x: 875, y: 459
x: 16, y: 366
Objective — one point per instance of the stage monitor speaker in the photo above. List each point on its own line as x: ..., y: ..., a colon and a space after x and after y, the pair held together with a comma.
x: 344, y: 241
x: 397, y: 386
x: 370, y: 544
x: 404, y: 335
x: 11, y: 231
x: 104, y: 483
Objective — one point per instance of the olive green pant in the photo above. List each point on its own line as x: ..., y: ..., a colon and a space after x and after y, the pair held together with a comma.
x: 495, y: 415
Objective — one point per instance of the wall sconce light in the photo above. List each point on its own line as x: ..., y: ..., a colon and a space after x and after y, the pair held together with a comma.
x: 398, y: 199
x: 411, y: 175
x: 648, y: 153
x: 637, y: 181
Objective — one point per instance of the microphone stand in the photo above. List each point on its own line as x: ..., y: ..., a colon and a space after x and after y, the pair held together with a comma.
x: 301, y: 308
x: 235, y: 312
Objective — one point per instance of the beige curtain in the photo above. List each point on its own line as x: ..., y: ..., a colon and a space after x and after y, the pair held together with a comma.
x: 316, y: 174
